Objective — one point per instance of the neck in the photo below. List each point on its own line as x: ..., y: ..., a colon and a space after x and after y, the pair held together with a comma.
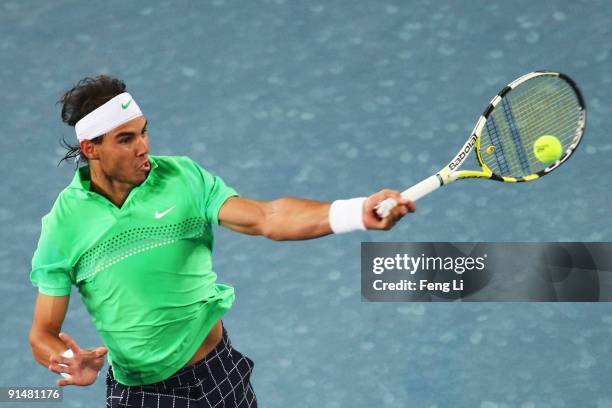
x: 115, y: 191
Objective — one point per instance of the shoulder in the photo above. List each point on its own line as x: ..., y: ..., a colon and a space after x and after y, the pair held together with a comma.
x: 61, y: 224
x: 176, y: 164
x: 180, y: 166
x: 66, y: 206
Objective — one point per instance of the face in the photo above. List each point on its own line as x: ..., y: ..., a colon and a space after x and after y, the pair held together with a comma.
x: 123, y: 154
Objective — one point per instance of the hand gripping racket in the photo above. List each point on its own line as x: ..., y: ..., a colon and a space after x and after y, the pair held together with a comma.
x: 507, y: 134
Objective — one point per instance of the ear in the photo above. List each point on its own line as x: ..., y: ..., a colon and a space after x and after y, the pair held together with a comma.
x: 89, y: 149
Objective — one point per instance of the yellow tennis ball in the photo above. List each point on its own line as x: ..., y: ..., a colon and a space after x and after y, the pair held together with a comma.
x: 548, y: 149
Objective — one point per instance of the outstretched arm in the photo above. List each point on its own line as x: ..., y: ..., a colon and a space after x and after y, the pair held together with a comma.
x: 291, y: 218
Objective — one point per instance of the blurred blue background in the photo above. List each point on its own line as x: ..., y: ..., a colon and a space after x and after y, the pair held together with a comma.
x: 326, y: 100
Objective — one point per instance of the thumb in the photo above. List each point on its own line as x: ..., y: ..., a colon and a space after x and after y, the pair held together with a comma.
x: 64, y: 382
x: 100, y: 351
x: 70, y: 342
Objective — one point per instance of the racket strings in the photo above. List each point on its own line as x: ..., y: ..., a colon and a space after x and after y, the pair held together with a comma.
x: 566, y: 127
x: 541, y: 107
x: 499, y: 150
x: 515, y: 133
x: 567, y: 105
x: 538, y: 107
x: 535, y: 100
x: 565, y: 130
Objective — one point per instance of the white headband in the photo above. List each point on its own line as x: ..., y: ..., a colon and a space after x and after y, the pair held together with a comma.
x: 119, y: 110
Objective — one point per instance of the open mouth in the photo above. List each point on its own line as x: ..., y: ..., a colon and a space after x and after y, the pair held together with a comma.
x: 146, y: 166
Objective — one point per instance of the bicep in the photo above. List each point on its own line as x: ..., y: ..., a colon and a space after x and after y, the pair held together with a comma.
x: 244, y: 215
x: 49, y: 313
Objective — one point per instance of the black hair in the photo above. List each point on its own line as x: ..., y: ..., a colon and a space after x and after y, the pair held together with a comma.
x: 87, y: 95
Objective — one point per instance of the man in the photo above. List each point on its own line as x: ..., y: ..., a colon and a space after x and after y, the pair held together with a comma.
x: 133, y: 233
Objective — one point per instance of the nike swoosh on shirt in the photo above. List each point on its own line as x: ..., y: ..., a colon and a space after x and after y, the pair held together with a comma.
x: 159, y: 215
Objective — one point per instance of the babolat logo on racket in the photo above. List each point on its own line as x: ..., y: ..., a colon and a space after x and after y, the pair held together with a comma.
x: 469, y: 145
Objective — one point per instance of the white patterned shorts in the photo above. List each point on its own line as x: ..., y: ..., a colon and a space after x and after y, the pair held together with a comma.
x: 221, y: 380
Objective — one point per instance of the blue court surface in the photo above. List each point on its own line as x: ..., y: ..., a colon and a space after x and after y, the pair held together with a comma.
x: 327, y: 100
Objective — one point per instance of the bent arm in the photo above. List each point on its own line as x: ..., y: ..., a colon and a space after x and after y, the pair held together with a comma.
x: 287, y: 218
x: 49, y: 314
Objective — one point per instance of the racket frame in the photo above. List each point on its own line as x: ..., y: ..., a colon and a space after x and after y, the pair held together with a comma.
x: 451, y: 172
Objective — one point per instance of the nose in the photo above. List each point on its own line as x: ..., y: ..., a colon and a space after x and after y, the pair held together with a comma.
x: 143, y: 146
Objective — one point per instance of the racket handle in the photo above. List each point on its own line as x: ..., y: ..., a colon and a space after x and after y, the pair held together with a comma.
x: 414, y: 193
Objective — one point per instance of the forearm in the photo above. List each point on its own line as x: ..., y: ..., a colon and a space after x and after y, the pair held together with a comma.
x: 291, y: 218
x: 44, y: 344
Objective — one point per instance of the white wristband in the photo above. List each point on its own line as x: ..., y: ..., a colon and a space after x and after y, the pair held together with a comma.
x: 68, y: 354
x: 347, y: 215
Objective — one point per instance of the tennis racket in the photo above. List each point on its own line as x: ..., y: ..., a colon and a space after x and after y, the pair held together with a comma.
x: 540, y: 103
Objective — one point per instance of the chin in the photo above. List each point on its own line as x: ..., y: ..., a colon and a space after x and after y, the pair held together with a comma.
x: 138, y: 179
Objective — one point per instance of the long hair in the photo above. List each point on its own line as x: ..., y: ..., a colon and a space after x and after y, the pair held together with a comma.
x: 87, y: 95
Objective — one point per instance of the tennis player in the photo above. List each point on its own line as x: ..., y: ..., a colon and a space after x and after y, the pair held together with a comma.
x: 133, y: 232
